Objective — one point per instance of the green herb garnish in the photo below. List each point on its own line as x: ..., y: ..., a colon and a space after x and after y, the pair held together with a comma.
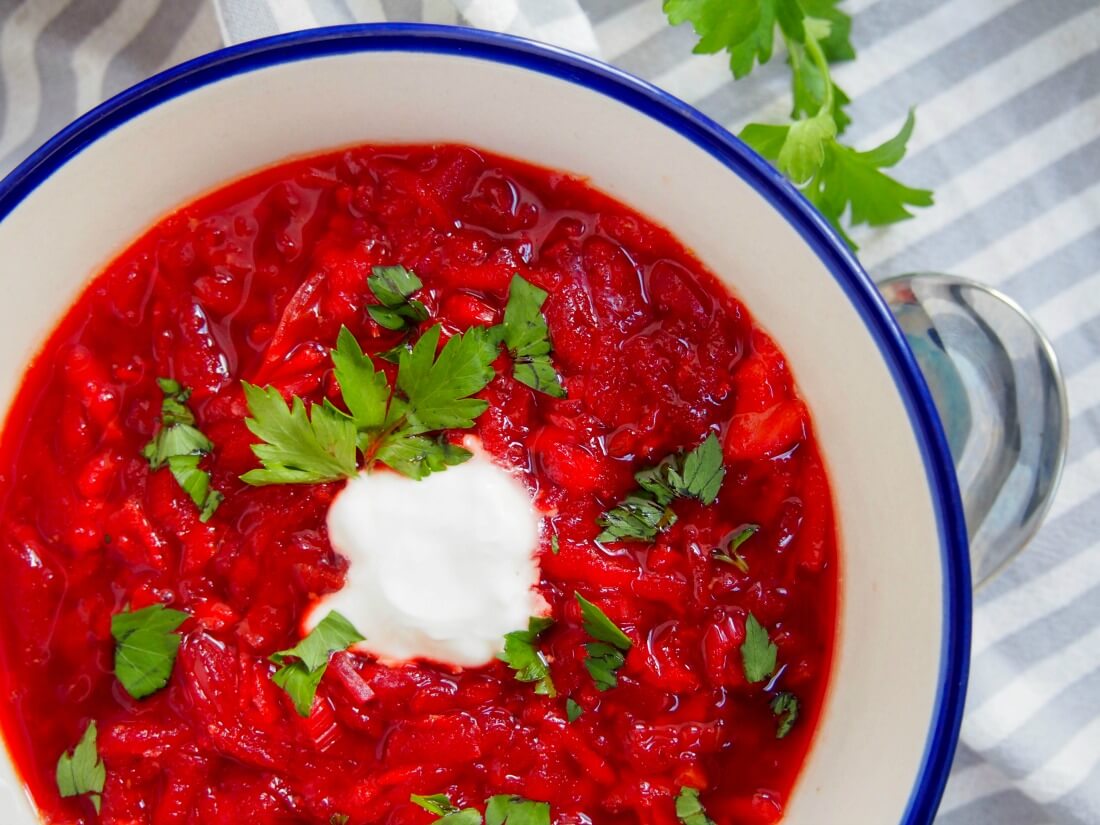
x: 521, y: 653
x: 730, y: 552
x: 689, y: 809
x: 504, y: 809
x: 82, y: 771
x: 527, y: 338
x: 573, y: 711
x: 448, y: 813
x: 180, y: 446
x: 758, y: 653
x: 606, y: 654
x: 433, y: 393
x: 646, y: 512
x: 394, y: 287
x: 300, y: 678
x: 785, y: 706
x: 146, y: 643
x: 836, y: 178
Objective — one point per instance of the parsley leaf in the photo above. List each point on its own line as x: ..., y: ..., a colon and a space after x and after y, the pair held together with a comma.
x: 635, y: 518
x: 394, y: 287
x: 298, y: 449
x: 785, y: 706
x: 300, y: 678
x: 603, y: 663
x: 434, y: 394
x: 504, y: 809
x: 606, y: 655
x: 441, y: 805
x: 573, y: 711
x: 435, y: 804
x: 853, y: 181
x: 145, y: 647
x: 645, y: 513
x: 438, y: 389
x: 180, y: 446
x: 758, y: 653
x: 365, y: 391
x: 730, y: 551
x: 522, y: 655
x: 689, y: 809
x: 527, y: 338
x: 416, y: 456
x: 598, y: 626
x: 82, y: 771
x: 703, y: 472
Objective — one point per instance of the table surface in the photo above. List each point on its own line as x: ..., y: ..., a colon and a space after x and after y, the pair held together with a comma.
x: 1008, y: 135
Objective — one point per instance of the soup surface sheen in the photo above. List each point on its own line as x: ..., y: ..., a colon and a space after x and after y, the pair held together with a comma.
x: 253, y: 283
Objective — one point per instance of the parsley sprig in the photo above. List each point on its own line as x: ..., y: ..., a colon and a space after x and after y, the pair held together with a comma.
x: 522, y: 654
x: 846, y: 185
x: 433, y: 392
x: 646, y: 512
x: 401, y: 427
x: 82, y: 771
x: 302, y: 666
x: 180, y: 446
x: 146, y: 643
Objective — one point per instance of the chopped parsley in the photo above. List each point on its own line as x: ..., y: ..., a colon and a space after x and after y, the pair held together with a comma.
x: 339, y: 819
x: 521, y: 653
x: 785, y: 707
x: 647, y: 511
x: 179, y: 445
x: 758, y: 653
x: 146, y: 643
x: 433, y: 393
x: 300, y: 677
x: 573, y: 711
x: 606, y: 654
x: 730, y: 552
x: 82, y: 771
x: 555, y: 546
x: 527, y: 338
x: 689, y: 810
x: 394, y: 287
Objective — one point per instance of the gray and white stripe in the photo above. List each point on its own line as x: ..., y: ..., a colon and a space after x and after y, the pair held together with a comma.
x: 1008, y: 134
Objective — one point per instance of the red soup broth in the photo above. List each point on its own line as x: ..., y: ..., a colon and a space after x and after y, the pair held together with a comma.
x: 254, y: 282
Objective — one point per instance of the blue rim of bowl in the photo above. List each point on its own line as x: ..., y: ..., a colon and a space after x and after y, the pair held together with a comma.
x: 704, y: 133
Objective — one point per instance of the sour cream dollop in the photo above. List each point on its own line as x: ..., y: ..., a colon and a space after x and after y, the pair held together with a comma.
x: 440, y: 568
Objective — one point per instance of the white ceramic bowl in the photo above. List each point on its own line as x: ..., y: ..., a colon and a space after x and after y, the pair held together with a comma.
x: 888, y: 732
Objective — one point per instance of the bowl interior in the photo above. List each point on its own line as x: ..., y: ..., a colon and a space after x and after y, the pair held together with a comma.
x: 220, y: 120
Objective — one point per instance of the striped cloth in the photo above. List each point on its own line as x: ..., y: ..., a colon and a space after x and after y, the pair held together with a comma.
x: 1008, y: 135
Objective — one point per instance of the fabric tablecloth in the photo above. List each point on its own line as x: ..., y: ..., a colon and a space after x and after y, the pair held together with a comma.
x: 1008, y: 135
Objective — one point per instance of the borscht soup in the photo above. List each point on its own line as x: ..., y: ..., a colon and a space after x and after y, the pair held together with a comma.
x: 404, y: 485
